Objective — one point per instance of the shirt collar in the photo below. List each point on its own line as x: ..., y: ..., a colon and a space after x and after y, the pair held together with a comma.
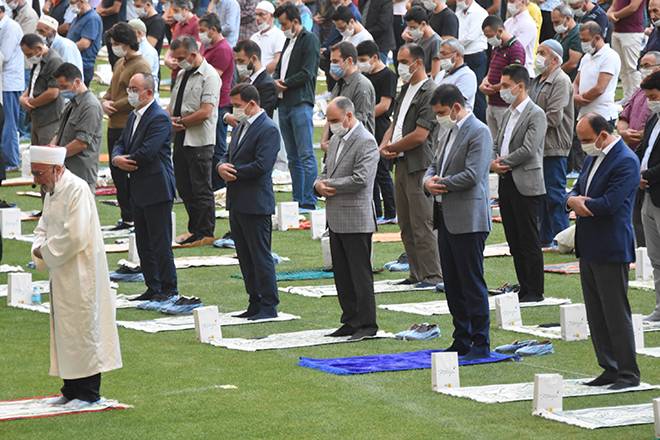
x: 140, y: 112
x: 601, y: 50
x: 256, y: 74
x: 456, y: 69
x: 350, y: 132
x: 460, y: 123
x: 254, y: 117
x: 522, y: 105
x: 610, y: 146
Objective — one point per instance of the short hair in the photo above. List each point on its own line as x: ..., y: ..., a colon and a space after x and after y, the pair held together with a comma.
x: 68, y: 71
x: 249, y: 47
x: 598, y: 123
x: 290, y: 10
x: 31, y: 41
x: 654, y: 53
x: 186, y: 42
x: 564, y: 10
x: 343, y: 13
x: 368, y: 48
x: 212, y: 21
x: 454, y: 45
x: 148, y: 81
x: 123, y: 33
x: 651, y: 82
x: 247, y: 92
x: 184, y: 4
x: 344, y: 104
x: 416, y: 51
x: 447, y: 95
x: 417, y: 14
x: 518, y: 74
x: 592, y: 27
x: 346, y: 50
x: 492, y: 21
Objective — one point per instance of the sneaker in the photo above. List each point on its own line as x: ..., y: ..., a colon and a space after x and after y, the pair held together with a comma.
x: 536, y: 349
x: 386, y: 221
x: 403, y: 259
x: 515, y: 345
x: 227, y: 243
x: 440, y: 287
x: 505, y: 288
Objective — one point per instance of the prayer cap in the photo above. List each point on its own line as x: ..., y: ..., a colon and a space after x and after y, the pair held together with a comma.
x: 266, y: 6
x: 47, y: 155
x: 49, y: 21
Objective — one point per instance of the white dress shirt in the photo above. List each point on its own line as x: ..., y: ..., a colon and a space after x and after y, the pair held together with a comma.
x: 523, y: 27
x: 597, y: 163
x: 68, y: 51
x: 150, y: 54
x: 286, y: 57
x: 508, y: 130
x: 342, y: 142
x: 13, y: 73
x: 247, y: 124
x: 649, y: 149
x: 469, y: 29
x: 138, y: 117
x: 256, y: 74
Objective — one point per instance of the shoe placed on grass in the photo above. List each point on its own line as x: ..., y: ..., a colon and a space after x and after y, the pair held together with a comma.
x: 420, y: 332
x: 620, y: 385
x: 121, y: 225
x: 363, y: 333
x: 600, y: 381
x: 225, y: 242
x: 403, y: 259
x: 344, y: 330
x: 536, y: 349
x: 386, y: 221
x: 504, y: 288
x: 515, y: 345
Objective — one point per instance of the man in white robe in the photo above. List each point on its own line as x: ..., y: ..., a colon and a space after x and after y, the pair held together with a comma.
x: 68, y: 243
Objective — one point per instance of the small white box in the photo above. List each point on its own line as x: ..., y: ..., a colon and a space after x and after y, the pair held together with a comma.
x: 444, y: 370
x: 507, y: 310
x: 317, y: 218
x: 287, y: 216
x: 207, y: 324
x: 173, y: 226
x: 573, y: 319
x: 643, y: 267
x: 327, y: 255
x: 656, y: 416
x: 493, y: 185
x: 19, y: 288
x: 548, y: 393
x: 638, y: 330
x: 26, y: 169
x: 10, y: 222
x: 133, y: 255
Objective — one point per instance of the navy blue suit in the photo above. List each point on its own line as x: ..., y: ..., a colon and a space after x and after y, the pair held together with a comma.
x: 605, y: 245
x: 251, y: 202
x: 151, y: 190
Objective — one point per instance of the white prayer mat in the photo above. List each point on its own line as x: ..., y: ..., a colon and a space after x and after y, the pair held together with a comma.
x: 122, y: 302
x: 18, y: 181
x: 41, y: 286
x: 651, y: 326
x: 516, y: 392
x: 188, y: 322
x: 497, y: 250
x: 41, y: 407
x: 115, y: 248
x: 28, y: 216
x: 384, y: 286
x: 283, y: 188
x: 203, y: 261
x: 555, y: 332
x: 607, y: 417
x: 221, y: 213
x: 35, y: 194
x: 6, y: 268
x: 643, y: 285
x: 440, y: 307
x: 306, y: 338
x: 107, y: 235
x: 649, y: 351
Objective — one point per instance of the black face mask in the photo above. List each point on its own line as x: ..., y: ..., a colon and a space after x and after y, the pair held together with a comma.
x: 250, y: 67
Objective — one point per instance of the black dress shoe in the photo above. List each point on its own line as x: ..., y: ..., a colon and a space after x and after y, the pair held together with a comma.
x: 363, y: 333
x: 529, y: 298
x: 6, y: 204
x: 405, y: 282
x: 621, y: 385
x: 263, y: 314
x: 146, y: 296
x: 251, y: 311
x: 160, y: 297
x: 344, y: 330
x: 461, y: 350
x: 122, y: 225
x: 600, y: 381
x: 193, y: 238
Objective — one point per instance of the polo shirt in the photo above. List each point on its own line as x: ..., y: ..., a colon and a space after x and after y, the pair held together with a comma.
x: 571, y: 41
x: 270, y: 42
x: 598, y: 15
x: 465, y: 80
x: 508, y: 53
x: 523, y: 27
x: 221, y: 57
x: 606, y: 60
x: 469, y: 29
x: 90, y: 26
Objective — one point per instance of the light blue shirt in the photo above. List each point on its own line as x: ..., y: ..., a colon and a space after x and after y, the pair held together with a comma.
x: 549, y: 5
x: 68, y: 51
x: 13, y: 66
x: 229, y: 12
x: 466, y: 81
x: 149, y: 53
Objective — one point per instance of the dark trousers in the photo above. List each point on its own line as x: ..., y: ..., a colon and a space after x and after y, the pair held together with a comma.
x: 520, y: 218
x: 554, y: 217
x: 120, y: 178
x: 399, y: 25
x: 153, y: 235
x: 478, y: 62
x: 640, y: 238
x: 220, y: 148
x: 252, y: 235
x: 384, y: 186
x: 462, y: 260
x: 547, y: 30
x: 605, y: 290
x: 192, y: 169
x: 354, y: 279
x: 86, y: 388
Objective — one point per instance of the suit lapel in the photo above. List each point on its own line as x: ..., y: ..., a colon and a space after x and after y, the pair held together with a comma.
x: 458, y: 140
x: 347, y: 145
x: 521, y: 120
x: 132, y: 135
x: 245, y: 132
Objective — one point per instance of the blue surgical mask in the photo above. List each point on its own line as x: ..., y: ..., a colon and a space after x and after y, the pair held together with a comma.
x: 336, y: 70
x: 67, y: 94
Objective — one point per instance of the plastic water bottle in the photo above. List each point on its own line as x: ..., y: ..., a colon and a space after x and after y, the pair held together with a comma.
x: 36, y: 295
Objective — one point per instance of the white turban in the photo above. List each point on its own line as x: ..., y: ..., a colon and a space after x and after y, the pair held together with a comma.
x: 49, y: 21
x: 47, y: 155
x: 266, y: 6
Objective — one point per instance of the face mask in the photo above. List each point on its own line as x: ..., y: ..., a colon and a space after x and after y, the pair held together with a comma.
x: 67, y: 94
x: 429, y: 5
x: 507, y: 96
x: 185, y: 65
x: 348, y: 32
x: 74, y: 9
x: 645, y: 71
x: 141, y: 12
x: 364, y: 67
x: 239, y: 114
x: 656, y: 23
x: 289, y: 34
x: 336, y: 70
x: 12, y: 6
x: 179, y: 17
x: 445, y: 122
x: 204, y: 38
x: 578, y: 13
x: 446, y: 64
x: 48, y: 41
x: 588, y: 48
x: 494, y: 41
x: 461, y: 6
x: 654, y: 106
x: 416, y: 34
x: 33, y: 60
x: 512, y: 8
x: 539, y: 64
x: 263, y: 26
x: 119, y: 51
x: 590, y: 149
x: 338, y: 129
x: 243, y: 70
x: 560, y: 29
x: 134, y: 99
x: 404, y: 72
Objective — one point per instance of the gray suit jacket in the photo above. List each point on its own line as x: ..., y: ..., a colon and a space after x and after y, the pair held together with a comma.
x: 351, y: 210
x: 465, y: 208
x: 525, y: 149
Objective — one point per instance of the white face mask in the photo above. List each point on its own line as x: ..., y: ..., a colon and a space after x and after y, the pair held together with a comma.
x: 446, y: 64
x: 365, y: 67
x: 587, y: 48
x: 185, y: 65
x: 654, y: 106
x: 33, y: 60
x: 289, y: 34
x: 178, y: 17
x: 204, y: 38
x: 461, y: 6
x: 445, y: 122
x: 645, y: 71
x: 512, y: 8
x: 243, y: 70
x: 539, y: 64
x: 239, y: 114
x: 263, y: 26
x: 590, y: 149
x: 119, y: 51
x: 348, y: 32
x: 656, y: 24
x: 507, y: 96
x: 74, y: 9
x: 338, y: 129
x: 141, y: 12
x: 416, y: 34
x: 494, y: 42
x: 561, y: 28
x: 404, y: 72
x: 134, y: 99
x: 578, y: 13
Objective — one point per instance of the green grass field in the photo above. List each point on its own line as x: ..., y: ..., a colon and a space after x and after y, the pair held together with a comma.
x: 172, y: 380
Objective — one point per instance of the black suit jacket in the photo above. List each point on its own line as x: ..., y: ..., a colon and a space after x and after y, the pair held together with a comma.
x: 302, y: 70
x: 652, y: 174
x: 379, y: 22
x: 265, y: 85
